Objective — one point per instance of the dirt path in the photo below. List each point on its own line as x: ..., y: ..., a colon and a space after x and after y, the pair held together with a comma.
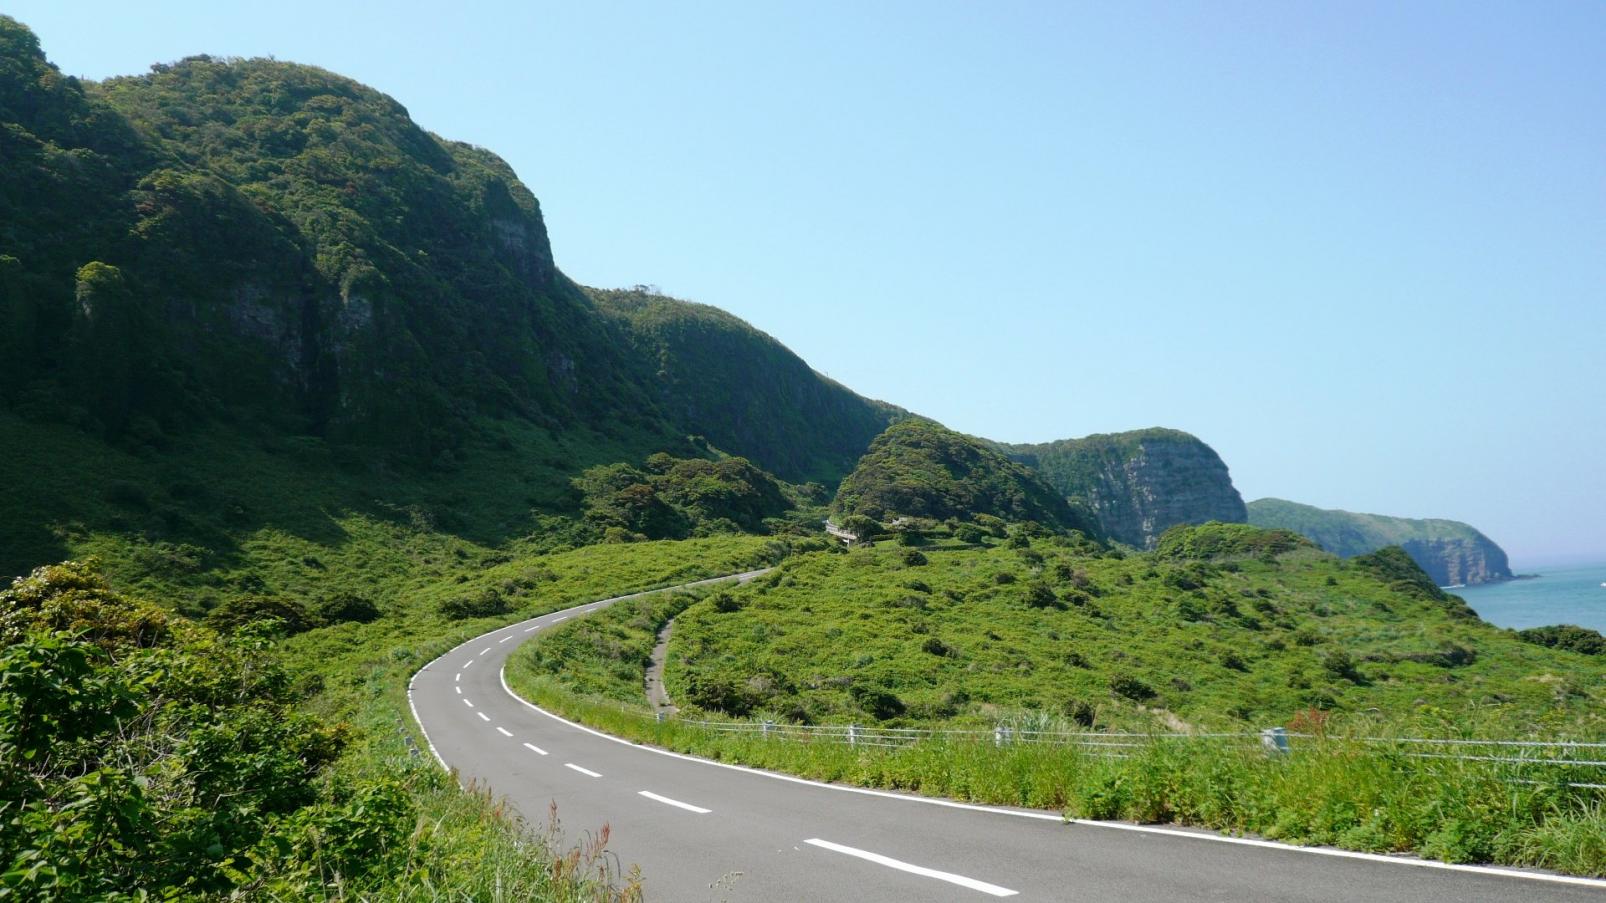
x: 656, y: 694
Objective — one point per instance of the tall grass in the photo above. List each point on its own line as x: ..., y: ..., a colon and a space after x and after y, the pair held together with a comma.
x: 1335, y: 790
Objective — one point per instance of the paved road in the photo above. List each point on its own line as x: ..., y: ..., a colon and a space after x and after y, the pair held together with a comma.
x: 707, y: 831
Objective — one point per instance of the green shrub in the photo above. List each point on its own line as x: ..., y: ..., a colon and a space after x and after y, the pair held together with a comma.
x: 486, y: 603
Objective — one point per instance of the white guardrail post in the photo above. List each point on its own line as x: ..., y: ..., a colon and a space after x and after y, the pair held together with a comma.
x: 853, y: 735
x: 1275, y: 740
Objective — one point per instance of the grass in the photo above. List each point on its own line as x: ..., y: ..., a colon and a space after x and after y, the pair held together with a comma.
x: 1333, y: 790
x: 470, y: 847
x: 975, y: 637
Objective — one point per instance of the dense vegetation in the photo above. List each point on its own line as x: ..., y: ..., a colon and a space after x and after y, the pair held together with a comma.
x: 919, y: 469
x: 1450, y: 551
x: 1224, y: 626
x: 143, y: 752
x: 673, y: 498
x: 226, y: 257
x: 143, y: 756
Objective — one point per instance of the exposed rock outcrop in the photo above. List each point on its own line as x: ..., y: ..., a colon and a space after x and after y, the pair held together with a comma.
x: 1451, y: 552
x: 1139, y: 483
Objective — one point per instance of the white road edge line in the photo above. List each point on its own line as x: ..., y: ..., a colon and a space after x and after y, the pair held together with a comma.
x: 535, y: 749
x: 585, y: 771
x: 483, y: 716
x: 413, y: 706
x: 912, y: 869
x: 503, y: 731
x: 676, y: 803
x: 1049, y: 816
x: 420, y: 722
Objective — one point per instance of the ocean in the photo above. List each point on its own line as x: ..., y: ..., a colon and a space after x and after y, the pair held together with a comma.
x: 1571, y: 595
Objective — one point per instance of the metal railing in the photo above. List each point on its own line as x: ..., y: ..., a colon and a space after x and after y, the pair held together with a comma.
x: 1565, y: 758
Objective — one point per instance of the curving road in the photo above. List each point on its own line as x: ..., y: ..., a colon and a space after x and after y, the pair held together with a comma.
x: 704, y: 830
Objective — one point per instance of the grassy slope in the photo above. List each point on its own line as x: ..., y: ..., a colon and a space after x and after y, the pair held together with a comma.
x: 1333, y: 791
x: 1252, y: 643
x: 224, y: 507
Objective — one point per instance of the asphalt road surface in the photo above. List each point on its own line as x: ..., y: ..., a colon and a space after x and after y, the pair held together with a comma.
x: 702, y: 830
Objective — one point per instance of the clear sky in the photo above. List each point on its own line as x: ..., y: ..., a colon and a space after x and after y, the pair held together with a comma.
x: 1360, y: 248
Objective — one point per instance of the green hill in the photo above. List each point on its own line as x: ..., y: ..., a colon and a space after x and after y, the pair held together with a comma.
x: 227, y: 278
x: 1451, y: 552
x: 1225, y: 626
x: 1139, y: 483
x: 920, y: 469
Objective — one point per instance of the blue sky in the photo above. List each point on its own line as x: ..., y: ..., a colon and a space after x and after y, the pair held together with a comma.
x: 1359, y: 248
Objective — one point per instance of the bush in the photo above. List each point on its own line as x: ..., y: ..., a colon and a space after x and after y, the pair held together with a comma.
x: 293, y: 617
x: 914, y: 558
x: 347, y: 607
x: 484, y: 604
x: 1570, y: 637
x: 879, y: 702
x: 1039, y: 595
x: 1131, y: 687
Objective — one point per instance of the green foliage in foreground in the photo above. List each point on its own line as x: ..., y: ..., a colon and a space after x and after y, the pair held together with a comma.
x: 1330, y: 791
x: 1146, y: 641
x: 139, y: 751
x: 142, y: 754
x: 920, y: 469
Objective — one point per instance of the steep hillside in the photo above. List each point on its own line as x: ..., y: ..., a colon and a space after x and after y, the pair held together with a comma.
x: 918, y: 468
x: 226, y: 277
x: 1452, y: 553
x: 746, y: 392
x: 1138, y: 483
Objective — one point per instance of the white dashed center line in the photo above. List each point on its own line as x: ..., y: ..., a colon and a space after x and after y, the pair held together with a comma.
x: 467, y: 703
x: 921, y: 870
x: 459, y: 690
x: 676, y: 803
x: 503, y: 731
x: 504, y: 639
x: 585, y: 771
x: 485, y: 650
x: 535, y: 749
x: 459, y: 677
x: 556, y: 620
x: 483, y: 716
x: 532, y: 629
x: 468, y: 664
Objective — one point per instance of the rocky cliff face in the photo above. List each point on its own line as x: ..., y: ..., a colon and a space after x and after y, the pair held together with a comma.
x: 1452, y: 553
x: 1460, y: 562
x: 1138, y: 483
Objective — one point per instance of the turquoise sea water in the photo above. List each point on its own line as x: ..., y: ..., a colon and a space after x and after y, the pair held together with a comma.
x: 1572, y: 595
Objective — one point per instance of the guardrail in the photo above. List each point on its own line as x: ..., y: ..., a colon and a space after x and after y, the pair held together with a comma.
x: 1587, y: 758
